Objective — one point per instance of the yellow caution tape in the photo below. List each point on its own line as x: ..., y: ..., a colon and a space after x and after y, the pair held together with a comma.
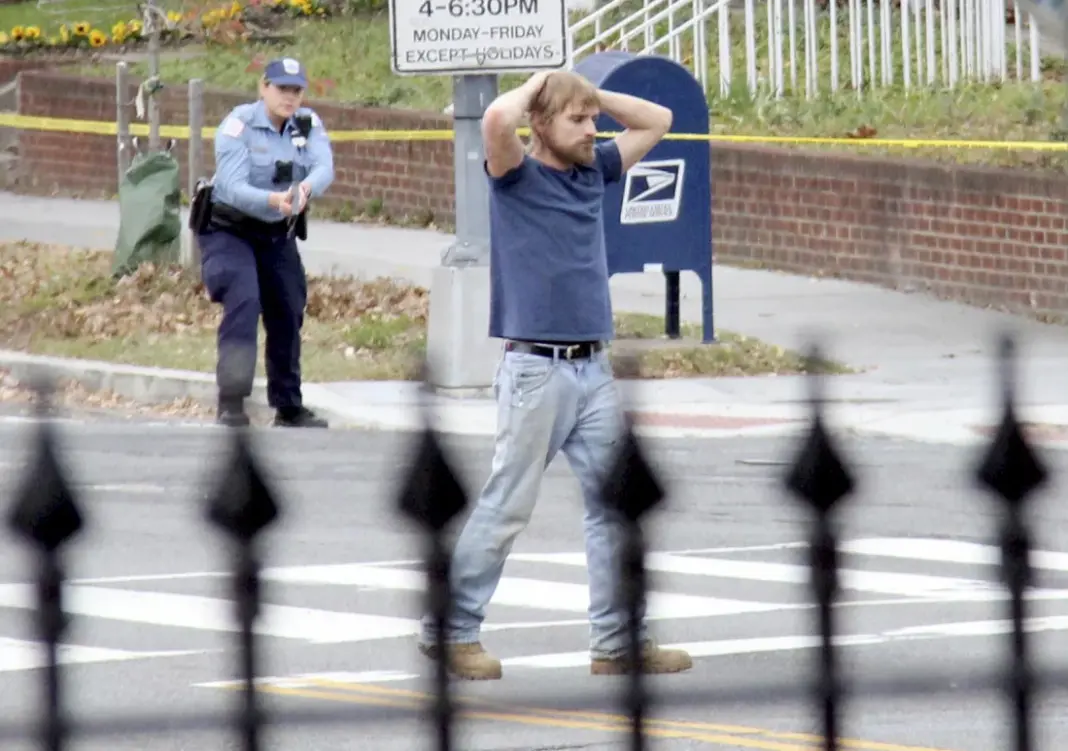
x: 910, y: 143
x: 392, y: 135
x: 94, y: 127
x: 181, y: 132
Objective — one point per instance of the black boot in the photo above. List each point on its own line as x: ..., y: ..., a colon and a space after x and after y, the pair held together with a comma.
x: 231, y: 413
x: 298, y: 417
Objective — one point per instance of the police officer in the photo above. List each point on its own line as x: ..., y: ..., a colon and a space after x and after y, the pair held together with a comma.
x: 271, y: 157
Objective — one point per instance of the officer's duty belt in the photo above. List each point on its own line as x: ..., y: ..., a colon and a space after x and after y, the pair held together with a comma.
x: 228, y: 218
x: 561, y: 351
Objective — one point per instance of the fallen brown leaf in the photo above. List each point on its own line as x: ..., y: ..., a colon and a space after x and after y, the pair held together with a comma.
x: 59, y: 292
x: 863, y: 131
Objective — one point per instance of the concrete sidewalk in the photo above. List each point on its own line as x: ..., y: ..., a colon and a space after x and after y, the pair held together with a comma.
x: 929, y: 365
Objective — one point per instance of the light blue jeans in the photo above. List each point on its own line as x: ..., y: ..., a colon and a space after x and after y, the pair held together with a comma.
x: 544, y: 405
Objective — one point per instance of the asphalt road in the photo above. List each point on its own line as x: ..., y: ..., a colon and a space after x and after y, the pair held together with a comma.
x: 151, y: 625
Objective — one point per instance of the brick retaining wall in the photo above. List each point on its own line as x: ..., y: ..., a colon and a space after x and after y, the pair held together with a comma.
x: 984, y: 236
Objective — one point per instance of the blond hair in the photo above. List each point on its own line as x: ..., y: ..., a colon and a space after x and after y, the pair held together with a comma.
x: 561, y: 89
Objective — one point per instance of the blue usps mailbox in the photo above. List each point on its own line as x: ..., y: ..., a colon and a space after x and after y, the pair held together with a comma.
x: 659, y: 217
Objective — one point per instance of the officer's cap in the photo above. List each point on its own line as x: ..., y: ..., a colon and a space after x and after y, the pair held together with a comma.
x: 286, y: 72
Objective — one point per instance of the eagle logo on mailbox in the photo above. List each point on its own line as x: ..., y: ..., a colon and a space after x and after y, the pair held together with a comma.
x: 652, y: 192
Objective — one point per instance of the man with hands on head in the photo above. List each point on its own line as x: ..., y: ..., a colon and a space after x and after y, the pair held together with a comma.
x: 550, y: 303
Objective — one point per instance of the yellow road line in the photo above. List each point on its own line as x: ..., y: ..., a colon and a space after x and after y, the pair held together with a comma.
x: 546, y: 722
x: 731, y: 736
x: 860, y: 745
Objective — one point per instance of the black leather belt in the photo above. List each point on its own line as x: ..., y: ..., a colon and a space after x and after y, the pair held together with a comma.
x: 573, y: 351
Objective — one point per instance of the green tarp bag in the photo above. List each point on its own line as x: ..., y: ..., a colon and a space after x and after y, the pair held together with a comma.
x: 150, y: 226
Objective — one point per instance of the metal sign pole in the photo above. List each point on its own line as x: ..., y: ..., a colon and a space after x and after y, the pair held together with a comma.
x: 153, y: 74
x: 471, y: 95
x: 473, y: 41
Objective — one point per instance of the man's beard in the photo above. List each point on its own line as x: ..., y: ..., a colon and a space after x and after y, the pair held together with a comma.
x: 579, y: 154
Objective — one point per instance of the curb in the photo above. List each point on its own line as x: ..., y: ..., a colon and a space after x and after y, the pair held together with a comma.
x: 150, y: 385
x: 474, y: 416
x: 162, y: 385
x: 143, y: 384
x: 451, y: 413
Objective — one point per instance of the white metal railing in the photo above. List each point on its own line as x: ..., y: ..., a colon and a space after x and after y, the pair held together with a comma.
x: 601, y: 35
x: 926, y: 43
x: 646, y: 26
x: 697, y: 22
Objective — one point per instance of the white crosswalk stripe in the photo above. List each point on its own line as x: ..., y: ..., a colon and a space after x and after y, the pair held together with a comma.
x: 908, y: 589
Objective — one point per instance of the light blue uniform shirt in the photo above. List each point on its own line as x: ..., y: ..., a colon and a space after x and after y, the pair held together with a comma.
x: 247, y: 146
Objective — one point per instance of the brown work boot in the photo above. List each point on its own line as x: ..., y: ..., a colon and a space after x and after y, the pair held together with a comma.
x: 654, y: 660
x: 469, y: 662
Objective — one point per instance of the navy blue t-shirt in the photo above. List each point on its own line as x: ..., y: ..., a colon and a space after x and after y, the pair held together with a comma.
x: 548, y: 269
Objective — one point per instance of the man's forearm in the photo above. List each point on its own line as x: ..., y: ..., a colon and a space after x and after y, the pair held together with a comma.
x: 633, y: 112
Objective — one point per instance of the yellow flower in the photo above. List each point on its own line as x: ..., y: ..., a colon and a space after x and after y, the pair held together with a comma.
x: 119, y: 29
x: 134, y: 26
x: 32, y: 32
x: 235, y: 9
x: 64, y: 33
x: 3, y: 37
x: 18, y: 33
x: 174, y: 16
x: 81, y: 29
x: 97, y: 38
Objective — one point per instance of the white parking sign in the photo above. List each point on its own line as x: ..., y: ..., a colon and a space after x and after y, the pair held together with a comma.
x: 457, y: 37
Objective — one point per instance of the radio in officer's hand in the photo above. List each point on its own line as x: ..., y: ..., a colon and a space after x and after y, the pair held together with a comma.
x: 303, y: 124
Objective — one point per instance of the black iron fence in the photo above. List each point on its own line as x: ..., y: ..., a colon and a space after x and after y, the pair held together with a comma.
x: 46, y: 513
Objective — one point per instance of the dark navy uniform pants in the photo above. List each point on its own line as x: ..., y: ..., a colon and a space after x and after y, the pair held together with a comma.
x: 254, y: 275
